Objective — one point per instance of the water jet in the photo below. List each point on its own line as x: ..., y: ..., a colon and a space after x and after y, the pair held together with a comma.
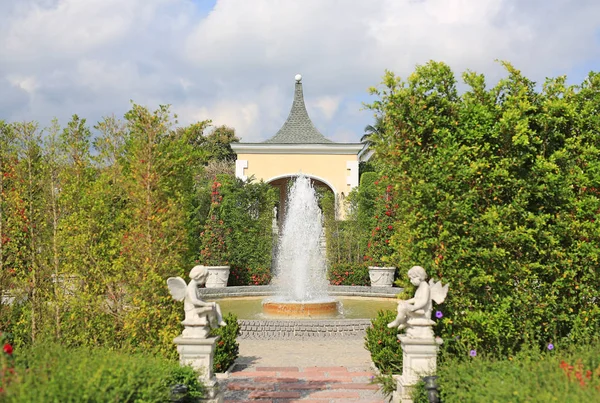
x: 300, y: 272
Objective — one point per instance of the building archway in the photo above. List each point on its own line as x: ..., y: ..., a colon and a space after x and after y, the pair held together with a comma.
x: 299, y: 147
x: 282, y: 184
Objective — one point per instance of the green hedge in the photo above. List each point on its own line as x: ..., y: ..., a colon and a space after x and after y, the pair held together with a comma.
x: 552, y: 376
x: 53, y: 373
x: 348, y: 274
x: 384, y: 346
x: 228, y: 348
x: 499, y: 196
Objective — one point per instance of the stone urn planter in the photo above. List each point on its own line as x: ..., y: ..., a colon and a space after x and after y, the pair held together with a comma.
x: 381, y: 276
x: 217, y: 276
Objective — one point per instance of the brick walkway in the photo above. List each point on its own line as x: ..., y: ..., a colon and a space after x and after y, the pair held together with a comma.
x: 294, y: 384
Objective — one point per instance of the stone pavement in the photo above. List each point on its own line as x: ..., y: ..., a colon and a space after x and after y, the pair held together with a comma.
x: 324, y: 371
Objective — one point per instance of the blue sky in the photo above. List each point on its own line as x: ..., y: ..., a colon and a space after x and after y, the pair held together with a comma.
x: 234, y: 61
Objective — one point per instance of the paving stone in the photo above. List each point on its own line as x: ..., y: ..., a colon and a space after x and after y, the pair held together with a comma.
x: 278, y: 369
x: 335, y: 395
x: 354, y: 385
x: 275, y: 395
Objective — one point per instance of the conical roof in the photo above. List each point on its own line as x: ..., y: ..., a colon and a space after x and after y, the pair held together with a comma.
x: 298, y: 128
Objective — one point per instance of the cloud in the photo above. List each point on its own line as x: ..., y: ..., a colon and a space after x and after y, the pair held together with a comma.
x: 235, y: 63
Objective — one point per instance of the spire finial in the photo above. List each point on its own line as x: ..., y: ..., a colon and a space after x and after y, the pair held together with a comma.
x: 298, y: 78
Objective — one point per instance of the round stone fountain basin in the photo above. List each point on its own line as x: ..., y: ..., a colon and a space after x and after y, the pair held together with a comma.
x: 300, y: 309
x: 348, y: 307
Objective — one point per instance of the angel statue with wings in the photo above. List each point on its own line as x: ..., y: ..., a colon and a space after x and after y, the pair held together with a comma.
x: 200, y: 316
x: 415, y: 314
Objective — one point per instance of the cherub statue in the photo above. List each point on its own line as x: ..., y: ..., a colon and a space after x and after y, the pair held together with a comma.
x: 200, y: 316
x: 417, y: 310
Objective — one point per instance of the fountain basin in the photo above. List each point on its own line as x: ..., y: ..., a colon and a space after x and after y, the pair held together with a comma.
x: 300, y: 309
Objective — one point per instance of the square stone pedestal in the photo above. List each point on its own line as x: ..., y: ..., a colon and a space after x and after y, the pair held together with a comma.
x: 199, y: 353
x: 419, y: 358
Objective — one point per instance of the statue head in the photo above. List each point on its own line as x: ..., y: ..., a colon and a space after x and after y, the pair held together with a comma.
x: 417, y: 272
x: 199, y: 273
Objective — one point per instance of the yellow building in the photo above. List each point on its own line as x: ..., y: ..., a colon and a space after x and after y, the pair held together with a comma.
x: 298, y: 147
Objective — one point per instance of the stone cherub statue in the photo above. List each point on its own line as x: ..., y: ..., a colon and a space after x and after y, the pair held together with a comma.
x: 414, y: 314
x: 200, y: 316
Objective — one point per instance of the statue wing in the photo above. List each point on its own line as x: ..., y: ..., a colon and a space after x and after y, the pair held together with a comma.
x: 438, y: 293
x: 177, y: 287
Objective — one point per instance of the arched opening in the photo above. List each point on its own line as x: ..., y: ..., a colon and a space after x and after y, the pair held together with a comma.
x: 283, y: 183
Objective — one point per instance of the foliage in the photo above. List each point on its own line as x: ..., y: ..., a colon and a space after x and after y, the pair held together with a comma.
x: 228, y: 348
x: 383, y: 344
x: 247, y: 213
x: 499, y: 197
x: 572, y: 375
x: 348, y: 274
x: 215, y: 233
x: 249, y: 276
x: 347, y: 239
x: 7, y: 362
x: 50, y: 372
x: 342, y: 236
x: 380, y: 250
x: 90, y: 229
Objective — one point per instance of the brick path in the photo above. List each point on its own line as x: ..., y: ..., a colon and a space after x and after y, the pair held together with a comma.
x: 304, y: 384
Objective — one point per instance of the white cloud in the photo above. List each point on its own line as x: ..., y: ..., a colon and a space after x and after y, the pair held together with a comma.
x: 327, y: 105
x: 236, y: 63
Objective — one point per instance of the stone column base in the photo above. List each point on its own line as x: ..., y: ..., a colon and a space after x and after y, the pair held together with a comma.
x: 199, y: 353
x: 419, y: 358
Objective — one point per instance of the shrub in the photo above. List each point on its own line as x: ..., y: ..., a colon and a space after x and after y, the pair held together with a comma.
x: 499, y: 196
x: 348, y: 274
x: 249, y: 276
x: 380, y: 249
x: 384, y: 346
x: 7, y: 361
x: 214, y: 236
x: 53, y: 373
x: 227, y: 347
x: 531, y: 376
x: 247, y: 212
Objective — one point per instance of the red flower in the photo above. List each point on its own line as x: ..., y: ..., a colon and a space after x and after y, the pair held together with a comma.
x: 8, y: 349
x: 390, y: 227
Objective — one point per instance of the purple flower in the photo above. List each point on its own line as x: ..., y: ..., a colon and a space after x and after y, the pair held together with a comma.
x: 439, y: 314
x: 473, y: 353
x: 550, y: 346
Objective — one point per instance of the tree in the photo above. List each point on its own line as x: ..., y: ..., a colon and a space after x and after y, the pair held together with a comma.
x: 498, y: 197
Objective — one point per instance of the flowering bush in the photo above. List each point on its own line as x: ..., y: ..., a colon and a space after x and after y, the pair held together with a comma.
x: 384, y: 346
x: 7, y: 362
x: 380, y: 249
x: 249, y: 276
x: 348, y: 274
x: 532, y: 375
x: 213, y: 237
x: 228, y: 348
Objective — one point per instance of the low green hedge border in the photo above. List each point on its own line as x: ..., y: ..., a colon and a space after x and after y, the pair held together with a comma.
x: 54, y: 373
x: 571, y: 375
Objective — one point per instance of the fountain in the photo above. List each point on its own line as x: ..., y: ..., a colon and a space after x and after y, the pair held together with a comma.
x: 300, y: 274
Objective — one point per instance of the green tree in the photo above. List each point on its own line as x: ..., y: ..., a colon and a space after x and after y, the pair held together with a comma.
x: 498, y: 197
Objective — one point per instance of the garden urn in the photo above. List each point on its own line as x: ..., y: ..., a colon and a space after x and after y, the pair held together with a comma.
x: 382, y: 276
x: 217, y: 276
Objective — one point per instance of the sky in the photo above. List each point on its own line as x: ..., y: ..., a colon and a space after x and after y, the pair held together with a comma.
x: 234, y: 61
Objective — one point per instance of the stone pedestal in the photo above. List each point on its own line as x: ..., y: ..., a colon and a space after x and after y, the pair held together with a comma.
x: 419, y: 358
x: 199, y: 353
